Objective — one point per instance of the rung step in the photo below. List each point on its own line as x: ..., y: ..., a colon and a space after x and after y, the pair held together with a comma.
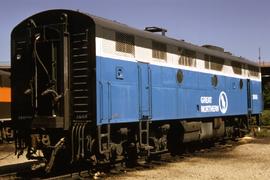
x: 80, y: 97
x: 80, y: 69
x: 20, y: 42
x: 79, y: 41
x: 79, y: 83
x: 78, y: 34
x: 80, y: 90
x: 80, y: 76
x: 80, y: 104
x: 79, y: 55
x: 80, y: 111
x: 80, y: 62
x: 79, y: 48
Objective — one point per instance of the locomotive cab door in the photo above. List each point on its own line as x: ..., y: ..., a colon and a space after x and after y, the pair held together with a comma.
x: 145, y: 91
x: 41, y: 62
x: 53, y: 96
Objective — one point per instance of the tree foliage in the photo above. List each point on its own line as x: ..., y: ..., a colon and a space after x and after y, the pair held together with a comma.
x: 266, y: 97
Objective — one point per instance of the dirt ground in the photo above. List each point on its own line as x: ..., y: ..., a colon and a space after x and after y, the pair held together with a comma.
x: 7, y: 155
x: 249, y: 158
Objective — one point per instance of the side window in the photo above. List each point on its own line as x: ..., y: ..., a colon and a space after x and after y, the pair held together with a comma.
x: 159, y: 50
x: 187, y: 57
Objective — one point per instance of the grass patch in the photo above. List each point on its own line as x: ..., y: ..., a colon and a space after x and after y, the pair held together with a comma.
x: 264, y: 132
x: 265, y: 117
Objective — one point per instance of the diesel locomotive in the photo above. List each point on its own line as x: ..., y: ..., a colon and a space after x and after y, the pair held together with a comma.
x: 88, y: 89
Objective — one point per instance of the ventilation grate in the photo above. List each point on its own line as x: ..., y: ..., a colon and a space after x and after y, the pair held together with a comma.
x: 159, y: 50
x: 125, y: 43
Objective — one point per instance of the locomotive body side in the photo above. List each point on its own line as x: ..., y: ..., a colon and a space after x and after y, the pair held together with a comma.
x: 131, y: 86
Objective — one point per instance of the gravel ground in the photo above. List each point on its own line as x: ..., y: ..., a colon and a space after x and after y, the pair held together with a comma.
x: 7, y: 155
x: 248, y: 158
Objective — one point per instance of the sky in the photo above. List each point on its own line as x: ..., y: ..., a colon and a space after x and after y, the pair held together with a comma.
x: 239, y: 26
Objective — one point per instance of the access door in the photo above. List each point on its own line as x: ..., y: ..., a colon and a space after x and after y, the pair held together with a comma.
x: 145, y: 91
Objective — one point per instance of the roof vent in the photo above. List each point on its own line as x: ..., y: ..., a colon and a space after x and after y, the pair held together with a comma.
x: 228, y: 53
x: 156, y: 29
x: 216, y: 48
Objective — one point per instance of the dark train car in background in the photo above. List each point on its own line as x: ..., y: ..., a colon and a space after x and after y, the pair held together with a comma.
x: 5, y: 100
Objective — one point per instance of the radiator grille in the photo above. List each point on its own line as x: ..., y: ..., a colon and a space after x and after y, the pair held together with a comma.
x: 125, y: 43
x: 159, y: 50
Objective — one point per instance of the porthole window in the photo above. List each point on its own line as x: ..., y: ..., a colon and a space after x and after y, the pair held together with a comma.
x: 241, y: 84
x: 214, y: 81
x: 179, y: 76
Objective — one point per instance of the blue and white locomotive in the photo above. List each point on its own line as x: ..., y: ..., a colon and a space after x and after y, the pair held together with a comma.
x: 96, y: 90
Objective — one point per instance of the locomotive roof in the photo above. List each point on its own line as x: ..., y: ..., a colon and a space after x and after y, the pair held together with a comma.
x: 119, y: 27
x: 168, y: 40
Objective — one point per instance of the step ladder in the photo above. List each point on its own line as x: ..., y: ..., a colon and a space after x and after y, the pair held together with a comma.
x: 144, y: 135
x: 80, y: 75
x: 104, y: 138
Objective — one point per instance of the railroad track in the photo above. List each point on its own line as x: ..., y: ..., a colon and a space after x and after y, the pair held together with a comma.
x: 22, y: 171
x: 11, y: 171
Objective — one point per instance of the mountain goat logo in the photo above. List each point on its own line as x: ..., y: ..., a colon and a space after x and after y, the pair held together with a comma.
x: 223, y: 102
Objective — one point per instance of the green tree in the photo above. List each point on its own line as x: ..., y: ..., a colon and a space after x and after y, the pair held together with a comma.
x: 266, y: 97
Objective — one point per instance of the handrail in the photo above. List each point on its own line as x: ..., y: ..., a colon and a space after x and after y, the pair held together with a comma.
x: 109, y: 101
x: 150, y: 91
x: 101, y: 101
